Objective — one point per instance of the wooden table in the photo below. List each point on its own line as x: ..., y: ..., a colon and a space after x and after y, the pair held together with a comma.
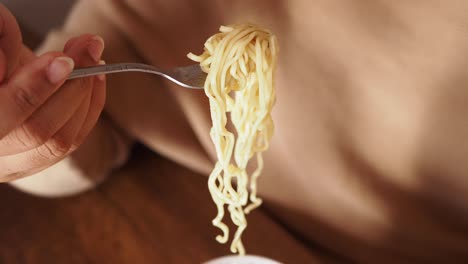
x: 151, y: 211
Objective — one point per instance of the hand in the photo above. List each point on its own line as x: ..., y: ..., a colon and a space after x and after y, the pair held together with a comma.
x: 43, y: 117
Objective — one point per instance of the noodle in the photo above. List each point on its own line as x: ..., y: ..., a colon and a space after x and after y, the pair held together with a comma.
x: 240, y: 62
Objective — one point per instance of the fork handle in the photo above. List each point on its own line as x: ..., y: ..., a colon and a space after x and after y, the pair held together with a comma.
x: 113, y: 68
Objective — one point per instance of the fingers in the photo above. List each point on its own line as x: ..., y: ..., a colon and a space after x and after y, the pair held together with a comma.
x: 46, y: 120
x: 72, y: 128
x: 59, y: 108
x: 10, y: 42
x: 62, y: 143
x: 96, y: 106
x: 86, y: 50
x: 30, y: 87
x: 55, y: 125
x: 94, y: 47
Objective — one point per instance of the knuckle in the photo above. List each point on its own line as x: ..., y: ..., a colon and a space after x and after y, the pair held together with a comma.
x: 24, y: 99
x: 56, y: 147
x: 21, y: 137
x: 34, y: 134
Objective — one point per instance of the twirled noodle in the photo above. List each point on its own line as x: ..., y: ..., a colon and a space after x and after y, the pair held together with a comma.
x: 240, y: 62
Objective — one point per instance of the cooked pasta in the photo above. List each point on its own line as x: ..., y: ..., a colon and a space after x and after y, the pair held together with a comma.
x: 240, y: 62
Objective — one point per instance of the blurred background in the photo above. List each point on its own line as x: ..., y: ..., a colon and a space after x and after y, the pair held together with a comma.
x: 31, y: 14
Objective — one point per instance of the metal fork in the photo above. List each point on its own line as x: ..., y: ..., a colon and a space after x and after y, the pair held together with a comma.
x: 188, y: 76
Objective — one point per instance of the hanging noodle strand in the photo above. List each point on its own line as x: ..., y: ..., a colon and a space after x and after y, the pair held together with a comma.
x: 240, y: 62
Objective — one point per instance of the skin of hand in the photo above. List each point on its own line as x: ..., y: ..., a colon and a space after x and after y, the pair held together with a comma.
x: 43, y: 117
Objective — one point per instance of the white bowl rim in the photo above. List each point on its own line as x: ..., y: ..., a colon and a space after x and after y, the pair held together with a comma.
x: 247, y: 259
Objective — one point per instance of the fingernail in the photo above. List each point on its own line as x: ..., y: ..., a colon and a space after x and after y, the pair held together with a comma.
x: 95, y: 48
x: 59, y: 69
x: 101, y: 77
